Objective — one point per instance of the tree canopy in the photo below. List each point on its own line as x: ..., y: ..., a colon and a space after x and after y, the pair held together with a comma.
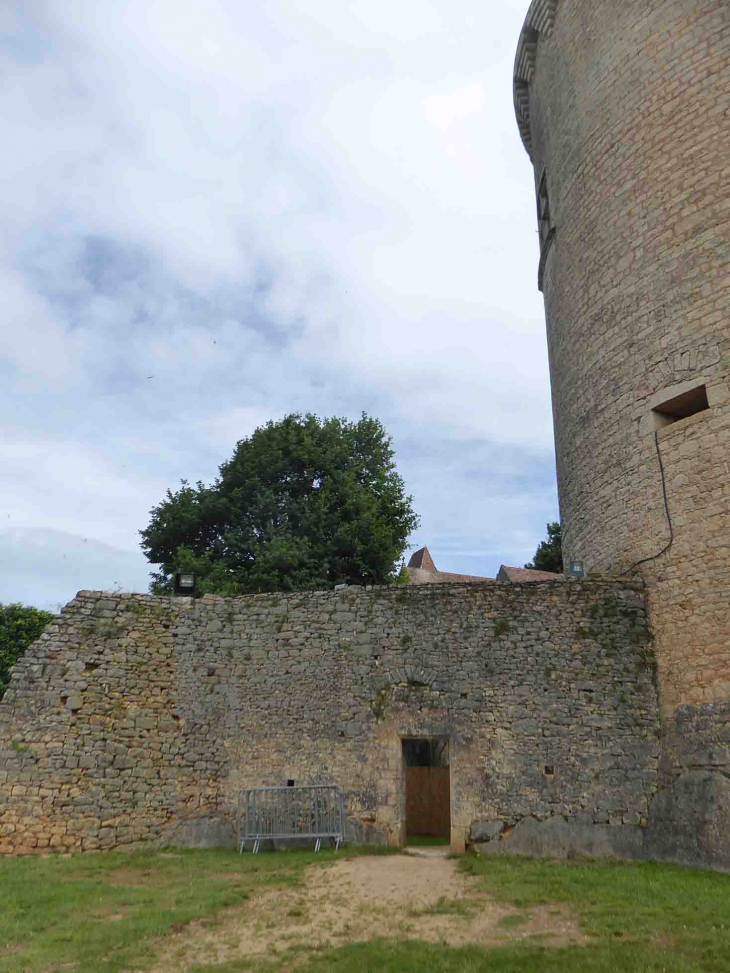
x: 549, y: 554
x: 303, y: 503
x: 20, y: 625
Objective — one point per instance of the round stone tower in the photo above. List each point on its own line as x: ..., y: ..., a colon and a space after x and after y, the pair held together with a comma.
x: 624, y: 109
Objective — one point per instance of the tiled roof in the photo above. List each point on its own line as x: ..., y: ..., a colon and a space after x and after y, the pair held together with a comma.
x: 526, y: 574
x: 422, y: 559
x: 422, y: 570
x: 419, y: 576
x: 449, y: 576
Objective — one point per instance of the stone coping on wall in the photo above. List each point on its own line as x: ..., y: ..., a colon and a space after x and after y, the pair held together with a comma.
x: 611, y: 581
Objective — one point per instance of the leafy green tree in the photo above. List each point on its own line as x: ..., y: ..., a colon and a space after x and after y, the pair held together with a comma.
x: 403, y: 577
x: 303, y: 503
x: 20, y: 625
x: 549, y: 554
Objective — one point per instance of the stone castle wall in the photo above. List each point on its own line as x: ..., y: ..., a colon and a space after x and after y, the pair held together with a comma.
x: 138, y: 719
x: 624, y: 108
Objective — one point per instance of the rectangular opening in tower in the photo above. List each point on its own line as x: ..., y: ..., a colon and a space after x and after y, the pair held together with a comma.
x: 428, y: 789
x: 680, y: 407
x: 543, y: 211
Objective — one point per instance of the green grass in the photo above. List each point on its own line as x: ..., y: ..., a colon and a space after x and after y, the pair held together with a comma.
x: 446, y: 907
x: 106, y: 912
x: 383, y: 956
x: 425, y: 841
x: 514, y: 920
x: 114, y: 912
x: 640, y: 916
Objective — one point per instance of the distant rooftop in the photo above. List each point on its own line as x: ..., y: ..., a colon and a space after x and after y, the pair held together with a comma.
x: 422, y: 570
x: 526, y: 574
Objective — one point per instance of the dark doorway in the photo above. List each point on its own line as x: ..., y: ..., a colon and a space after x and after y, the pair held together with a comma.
x: 428, y: 788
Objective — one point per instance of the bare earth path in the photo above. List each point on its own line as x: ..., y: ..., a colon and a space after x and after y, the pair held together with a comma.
x: 404, y: 896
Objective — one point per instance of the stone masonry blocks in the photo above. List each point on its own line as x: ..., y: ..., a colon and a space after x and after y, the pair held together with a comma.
x: 136, y: 719
x: 626, y: 112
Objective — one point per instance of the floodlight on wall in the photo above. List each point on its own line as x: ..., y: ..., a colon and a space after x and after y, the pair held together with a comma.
x: 185, y: 583
x: 576, y: 569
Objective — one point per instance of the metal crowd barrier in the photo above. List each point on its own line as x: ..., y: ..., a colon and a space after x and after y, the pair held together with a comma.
x: 317, y: 812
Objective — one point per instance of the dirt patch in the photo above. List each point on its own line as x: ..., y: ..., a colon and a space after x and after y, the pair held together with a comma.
x: 7, y: 948
x: 354, y: 900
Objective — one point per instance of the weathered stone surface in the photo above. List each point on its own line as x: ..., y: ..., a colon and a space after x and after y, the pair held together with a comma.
x: 690, y: 821
x: 557, y: 838
x: 609, y: 96
x: 485, y: 830
x: 203, y: 832
x: 155, y: 714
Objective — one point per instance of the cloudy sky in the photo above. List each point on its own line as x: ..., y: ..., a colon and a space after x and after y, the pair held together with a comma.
x: 218, y: 213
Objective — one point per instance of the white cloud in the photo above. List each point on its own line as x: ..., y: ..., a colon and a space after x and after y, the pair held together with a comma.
x: 66, y: 562
x: 214, y: 216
